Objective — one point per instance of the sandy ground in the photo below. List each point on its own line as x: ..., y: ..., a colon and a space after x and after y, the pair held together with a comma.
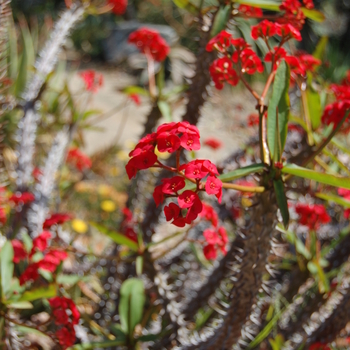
x: 223, y: 117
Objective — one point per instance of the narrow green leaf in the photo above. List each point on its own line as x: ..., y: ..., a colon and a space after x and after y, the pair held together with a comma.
x: 165, y: 109
x: 327, y: 179
x: 132, y: 300
x: 117, y: 331
x: 263, y: 4
x: 314, y: 104
x: 220, y: 20
x: 135, y: 90
x: 186, y: 5
x: 13, y: 52
x: 22, y: 74
x: 282, y: 201
x: 313, y: 14
x: 68, y: 279
x: 116, y: 237
x: 139, y: 265
x: 242, y: 172
x: 279, y: 101
x: 39, y: 293
x: 20, y: 305
x: 320, y: 48
x: 6, y: 261
x: 332, y: 198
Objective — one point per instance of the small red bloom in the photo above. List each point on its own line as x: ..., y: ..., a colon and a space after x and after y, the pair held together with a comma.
x: 210, y: 252
x: 92, y: 80
x: 278, y: 165
x: 56, y: 219
x: 312, y: 216
x: 119, y: 6
x: 190, y: 142
x: 158, y: 195
x: 221, y: 71
x: 265, y: 29
x: 135, y: 98
x: 143, y: 160
x: 253, y: 119
x: 40, y: 243
x: 194, y: 169
x: 250, y: 62
x: 211, y: 236
x: 173, y: 185
x: 220, y: 42
x: 287, y: 31
x: 172, y: 211
x: 214, y: 186
x: 309, y: 4
x: 334, y: 113
x: 187, y: 199
x: 250, y: 11
x: 78, y: 159
x: 213, y: 143
x: 19, y: 251
x: 52, y: 259
x: 168, y: 142
x: 207, y: 165
x: 209, y: 214
x: 309, y: 62
x: 276, y: 56
x: 22, y: 198
x: 149, y: 42
x: 29, y: 274
x: 3, y: 217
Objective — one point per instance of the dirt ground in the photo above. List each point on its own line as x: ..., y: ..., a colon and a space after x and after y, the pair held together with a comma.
x: 224, y: 117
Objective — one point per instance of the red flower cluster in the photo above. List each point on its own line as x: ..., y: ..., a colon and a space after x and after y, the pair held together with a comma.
x: 65, y: 315
x: 172, y: 137
x: 216, y: 237
x: 92, y: 80
x: 312, y: 216
x: 22, y: 198
x: 119, y: 6
x: 253, y: 119
x: 213, y: 143
x: 266, y: 29
x: 346, y: 195
x: 49, y: 262
x: 293, y: 12
x: 78, y: 159
x: 56, y: 219
x: 250, y: 11
x: 149, y: 42
x: 228, y: 68
x: 128, y: 224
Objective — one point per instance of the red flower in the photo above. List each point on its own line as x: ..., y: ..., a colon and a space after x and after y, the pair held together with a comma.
x: 319, y: 346
x: 158, y: 195
x: 220, y: 42
x: 287, y: 31
x: 190, y: 142
x: 250, y: 11
x: 173, y: 185
x: 309, y: 4
x: 213, y: 143
x: 293, y: 13
x: 52, y: 259
x: 119, y: 6
x: 187, y: 199
x: 265, y: 29
x: 210, y: 252
x: 334, y: 113
x: 195, y: 169
x: 346, y: 194
x: 341, y: 92
x: 209, y: 214
x: 143, y: 160
x: 172, y: 211
x: 78, y: 159
x: 309, y: 62
x: 221, y: 71
x: 3, y: 217
x: 253, y: 119
x: 40, y: 242
x: 22, y: 198
x: 135, y: 98
x: 276, y: 56
x: 29, y: 274
x: 211, y: 236
x: 19, y: 251
x: 149, y: 42
x: 312, y: 216
x: 168, y: 142
x: 66, y: 336
x: 214, y: 186
x: 92, y: 80
x: 250, y: 62
x: 56, y: 219
x: 210, y: 167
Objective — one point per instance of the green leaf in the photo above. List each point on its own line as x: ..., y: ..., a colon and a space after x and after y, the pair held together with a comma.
x: 68, y: 279
x: 332, y: 198
x: 327, y: 179
x: 20, y: 305
x: 220, y: 20
x: 132, y: 300
x: 6, y: 268
x: 28, y: 243
x: 148, y: 337
x: 39, y: 293
x: 242, y: 172
x: 266, y: 5
x: 186, y: 5
x: 135, y: 90
x: 314, y: 105
x: 320, y: 48
x: 282, y: 201
x: 165, y: 109
x: 116, y: 237
x: 32, y: 331
x: 117, y: 331
x: 279, y: 101
x: 139, y: 265
x: 313, y: 14
x: 13, y: 51
x: 95, y: 345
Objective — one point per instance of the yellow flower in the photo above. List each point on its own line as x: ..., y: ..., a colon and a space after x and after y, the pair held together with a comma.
x: 79, y: 226
x: 108, y: 206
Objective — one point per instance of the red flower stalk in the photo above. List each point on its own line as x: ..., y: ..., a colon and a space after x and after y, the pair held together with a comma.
x: 119, y: 6
x: 92, y: 80
x: 78, y: 159
x: 312, y: 216
x: 149, y: 42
